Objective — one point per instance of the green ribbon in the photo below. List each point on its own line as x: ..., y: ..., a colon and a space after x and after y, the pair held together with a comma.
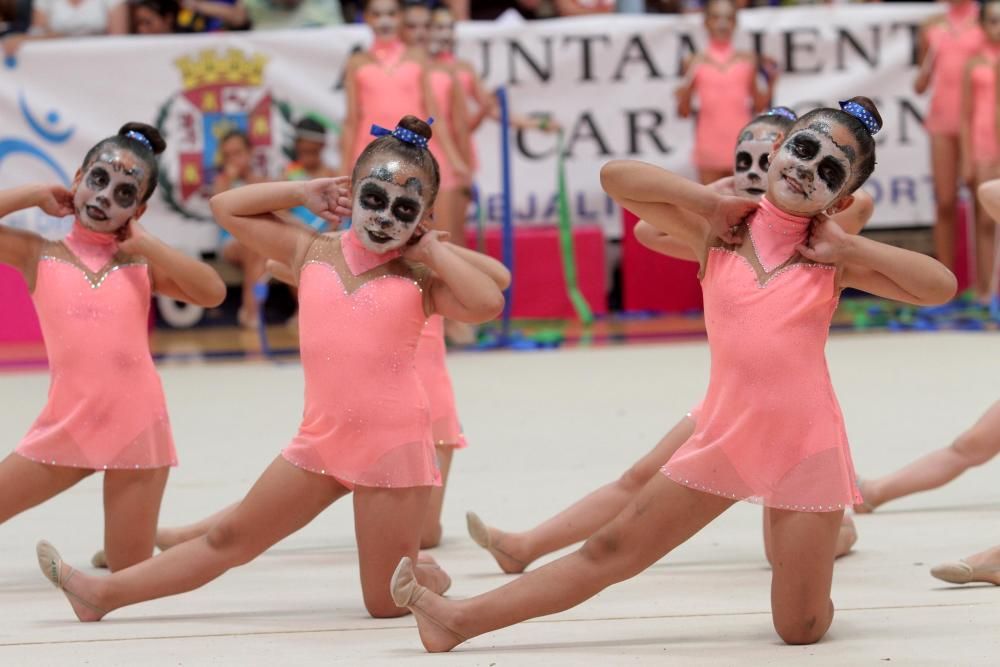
x: 566, y: 241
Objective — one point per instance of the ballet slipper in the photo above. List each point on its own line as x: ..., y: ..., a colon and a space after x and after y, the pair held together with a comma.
x: 961, y: 572
x: 51, y: 565
x: 864, y: 507
x: 99, y: 560
x: 426, y: 560
x: 480, y: 534
x: 407, y: 592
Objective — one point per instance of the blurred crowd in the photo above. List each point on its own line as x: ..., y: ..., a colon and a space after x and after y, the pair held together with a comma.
x: 22, y: 20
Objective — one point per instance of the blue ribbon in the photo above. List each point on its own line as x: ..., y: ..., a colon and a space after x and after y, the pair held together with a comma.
x: 862, y: 114
x: 402, y: 134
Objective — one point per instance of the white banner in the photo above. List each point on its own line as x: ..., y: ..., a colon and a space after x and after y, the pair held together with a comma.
x: 608, y: 80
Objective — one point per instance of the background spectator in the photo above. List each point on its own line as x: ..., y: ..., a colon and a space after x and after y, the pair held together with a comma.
x: 65, y: 18
x: 154, y: 17
x: 212, y: 16
x: 15, y: 17
x: 283, y: 14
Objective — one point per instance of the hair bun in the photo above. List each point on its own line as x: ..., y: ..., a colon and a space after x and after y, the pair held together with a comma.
x: 869, y: 115
x: 152, y: 135
x: 415, y: 125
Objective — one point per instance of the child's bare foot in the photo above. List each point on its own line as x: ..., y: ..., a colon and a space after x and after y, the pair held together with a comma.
x: 983, y: 567
x: 432, y: 574
x: 435, y: 634
x: 847, y: 537
x: 66, y: 578
x: 492, y: 540
x: 868, y: 501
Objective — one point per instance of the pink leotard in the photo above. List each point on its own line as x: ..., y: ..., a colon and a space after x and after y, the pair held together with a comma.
x: 770, y: 429
x: 951, y: 42
x: 366, y: 419
x: 106, y: 408
x: 442, y: 87
x: 387, y: 90
x: 984, y: 108
x: 433, y: 371
x: 722, y: 85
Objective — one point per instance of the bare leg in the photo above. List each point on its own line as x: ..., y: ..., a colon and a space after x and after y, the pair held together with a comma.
x: 847, y: 536
x: 707, y: 176
x: 282, y: 501
x: 171, y: 537
x: 662, y: 516
x: 131, y: 509
x: 974, y: 447
x: 253, y: 266
x: 982, y: 567
x: 985, y: 241
x: 944, y: 167
x: 803, y: 545
x: 25, y: 483
x: 431, y: 536
x: 515, y: 551
x: 387, y: 524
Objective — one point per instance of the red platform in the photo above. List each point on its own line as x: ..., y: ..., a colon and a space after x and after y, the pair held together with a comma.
x: 539, y: 283
x: 652, y: 282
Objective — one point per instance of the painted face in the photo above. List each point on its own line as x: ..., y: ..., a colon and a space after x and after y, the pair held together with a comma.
x: 812, y: 168
x: 382, y: 16
x: 147, y: 22
x: 109, y: 192
x: 442, y: 33
x: 416, y: 29
x: 388, y: 204
x: 720, y: 20
x: 753, y: 157
x: 991, y: 21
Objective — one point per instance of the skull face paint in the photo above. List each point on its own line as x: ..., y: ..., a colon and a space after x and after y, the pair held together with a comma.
x: 812, y: 168
x: 753, y: 156
x: 109, y: 192
x: 382, y: 16
x: 442, y: 33
x: 388, y: 205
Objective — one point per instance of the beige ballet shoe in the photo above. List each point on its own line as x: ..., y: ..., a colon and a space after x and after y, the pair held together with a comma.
x: 407, y: 592
x: 426, y: 560
x: 480, y: 534
x: 99, y: 560
x: 50, y: 563
x: 961, y: 572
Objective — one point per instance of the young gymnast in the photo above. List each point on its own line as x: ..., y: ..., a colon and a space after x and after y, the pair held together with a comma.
x: 980, y: 148
x: 106, y: 410
x: 725, y: 82
x: 770, y: 429
x: 381, y: 84
x: 976, y: 446
x: 946, y: 44
x: 515, y: 551
x: 365, y: 295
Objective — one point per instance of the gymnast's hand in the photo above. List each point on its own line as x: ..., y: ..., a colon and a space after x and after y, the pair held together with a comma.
x: 54, y: 200
x: 827, y: 242
x: 423, y: 244
x: 329, y: 198
x: 729, y: 214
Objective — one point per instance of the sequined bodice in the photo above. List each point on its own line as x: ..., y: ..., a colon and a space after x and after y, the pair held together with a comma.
x: 353, y: 326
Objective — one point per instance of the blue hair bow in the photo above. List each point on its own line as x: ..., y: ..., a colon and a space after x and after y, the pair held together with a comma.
x: 403, y: 134
x: 140, y: 137
x: 784, y: 112
x: 862, y: 114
